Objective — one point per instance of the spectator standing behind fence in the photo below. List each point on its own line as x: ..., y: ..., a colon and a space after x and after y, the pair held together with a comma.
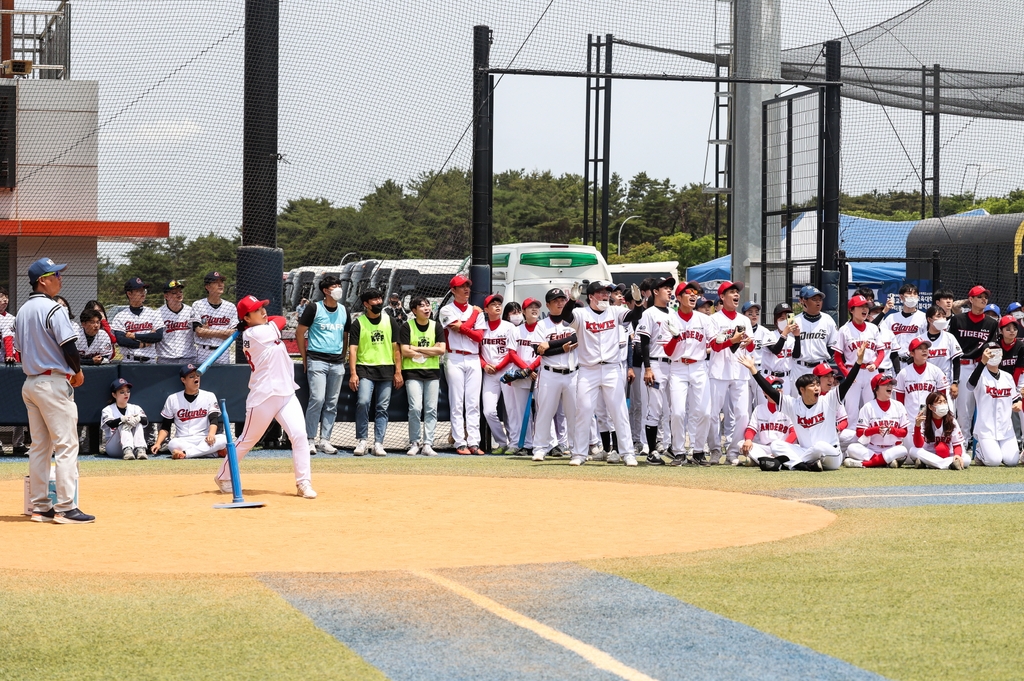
x: 50, y: 360
x: 93, y: 343
x: 214, y: 319
x: 178, y: 345
x: 123, y: 424
x: 394, y: 309
x: 322, y: 335
x: 375, y: 364
x: 422, y: 343
x: 138, y: 328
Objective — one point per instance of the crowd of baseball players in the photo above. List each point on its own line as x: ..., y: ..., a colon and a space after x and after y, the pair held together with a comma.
x: 595, y: 373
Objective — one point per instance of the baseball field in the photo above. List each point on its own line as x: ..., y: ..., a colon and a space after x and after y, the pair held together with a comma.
x: 504, y: 568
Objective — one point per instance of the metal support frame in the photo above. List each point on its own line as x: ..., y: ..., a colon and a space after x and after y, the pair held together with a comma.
x: 831, y: 147
x: 596, y: 154
x: 842, y: 260
x: 483, y: 166
x: 935, y: 72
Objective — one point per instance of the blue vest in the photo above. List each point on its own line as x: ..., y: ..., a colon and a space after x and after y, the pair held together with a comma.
x: 327, y: 333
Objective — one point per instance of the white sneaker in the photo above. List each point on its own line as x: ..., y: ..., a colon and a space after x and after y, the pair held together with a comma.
x: 595, y: 450
x: 223, y: 485
x: 538, y: 457
x: 305, y: 490
x: 378, y: 449
x: 577, y: 460
x: 360, y: 449
x: 852, y: 463
x: 414, y: 449
x: 312, y: 446
x: 629, y: 460
x: 427, y: 450
x: 614, y: 457
x: 327, y: 448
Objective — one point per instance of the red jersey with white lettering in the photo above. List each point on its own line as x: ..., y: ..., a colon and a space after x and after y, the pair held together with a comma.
x: 696, y: 332
x: 884, y: 428
x: 273, y: 371
x: 457, y: 342
x: 724, y: 364
x: 549, y: 330
x: 498, y: 344
x: 994, y: 396
x: 945, y: 350
x: 914, y: 384
x: 147, y: 321
x: 191, y: 418
x: 179, y: 341
x: 651, y: 324
x: 905, y: 328
x: 598, y: 334
x: 851, y: 336
x: 816, y: 423
x: 224, y: 317
x: 767, y: 424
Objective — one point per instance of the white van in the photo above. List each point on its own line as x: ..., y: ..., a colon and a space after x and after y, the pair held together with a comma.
x: 529, y: 270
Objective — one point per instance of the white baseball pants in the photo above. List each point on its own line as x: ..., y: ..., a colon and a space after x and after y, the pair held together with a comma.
x: 554, y: 389
x: 596, y: 382
x: 735, y: 393
x: 521, y: 395
x: 860, y: 393
x: 861, y: 452
x: 195, y: 446
x: 995, y: 452
x: 965, y: 402
x: 658, y: 398
x: 690, y: 404
x: 123, y: 437
x: 829, y: 455
x: 464, y: 375
x: 287, y: 411
x: 637, y: 403
x: 489, y: 403
x: 53, y: 422
x: 933, y: 460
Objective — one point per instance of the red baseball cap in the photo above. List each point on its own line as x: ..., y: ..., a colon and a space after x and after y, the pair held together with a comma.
x: 530, y: 301
x: 822, y: 370
x: 978, y: 291
x: 249, y: 304
x: 459, y: 280
x: 858, y: 301
x: 1006, y: 321
x: 689, y: 286
x: 726, y: 285
x: 880, y: 379
x: 493, y: 297
x: 918, y: 342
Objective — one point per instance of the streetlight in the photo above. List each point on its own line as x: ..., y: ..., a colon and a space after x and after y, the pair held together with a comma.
x: 345, y: 257
x: 619, y: 252
x: 980, y: 177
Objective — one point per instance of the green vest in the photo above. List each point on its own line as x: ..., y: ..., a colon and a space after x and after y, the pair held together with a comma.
x: 421, y: 339
x: 375, y: 342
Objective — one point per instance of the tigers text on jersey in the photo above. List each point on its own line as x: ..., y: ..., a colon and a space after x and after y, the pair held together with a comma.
x: 273, y: 371
x: 598, y: 334
x: 526, y: 338
x: 872, y: 414
x: 944, y: 350
x: 111, y: 412
x: 724, y: 364
x: 768, y: 426
x: 994, y: 396
x: 191, y: 418
x: 816, y: 423
x: 651, y: 325
x: 224, y: 317
x: 905, y: 329
x: 695, y: 335
x: 916, y: 385
x: 448, y: 315
x: 147, y: 321
x: 548, y: 330
x: 179, y: 339
x: 497, y: 342
x: 816, y: 337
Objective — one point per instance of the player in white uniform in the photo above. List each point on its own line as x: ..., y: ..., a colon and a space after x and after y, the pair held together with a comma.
x: 93, y: 343
x: 906, y: 324
x: 686, y: 336
x: 656, y: 364
x: 817, y: 335
x: 7, y: 329
x: 938, y: 440
x: 462, y: 368
x: 767, y: 424
x: 195, y: 415
x: 917, y: 381
x: 137, y: 328
x: 597, y: 329
x: 848, y: 339
x: 828, y: 380
x: 945, y: 351
x: 777, y: 353
x: 997, y: 398
x: 525, y: 358
x: 213, y: 320
x: 497, y: 348
x: 178, y: 345
x: 882, y: 426
x: 123, y: 424
x: 271, y: 393
x: 814, y: 419
x: 729, y: 382
x: 557, y: 378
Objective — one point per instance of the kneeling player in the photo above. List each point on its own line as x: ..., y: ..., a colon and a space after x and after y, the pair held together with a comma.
x: 271, y: 393
x: 767, y: 424
x: 938, y: 442
x: 814, y: 418
x: 195, y: 415
x: 884, y: 423
x: 997, y: 398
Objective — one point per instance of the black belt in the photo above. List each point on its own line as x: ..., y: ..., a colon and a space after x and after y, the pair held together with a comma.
x: 809, y: 365
x: 133, y: 358
x: 564, y: 372
x: 778, y: 374
x: 666, y: 360
x: 209, y: 347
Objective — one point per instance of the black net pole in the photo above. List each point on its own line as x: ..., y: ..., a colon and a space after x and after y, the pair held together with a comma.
x: 832, y: 145
x: 936, y: 142
x: 586, y: 141
x: 483, y: 167
x: 605, y: 153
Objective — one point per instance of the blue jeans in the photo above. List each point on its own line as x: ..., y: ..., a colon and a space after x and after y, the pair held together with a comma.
x: 422, y: 396
x: 380, y: 416
x: 324, y: 387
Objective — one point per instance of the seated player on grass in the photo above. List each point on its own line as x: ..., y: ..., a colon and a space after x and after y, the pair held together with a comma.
x: 195, y: 415
x: 938, y: 441
x: 997, y: 398
x: 123, y: 424
x: 829, y: 379
x: 881, y: 426
x: 767, y: 424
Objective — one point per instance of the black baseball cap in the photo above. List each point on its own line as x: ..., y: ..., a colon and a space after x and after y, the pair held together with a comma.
x: 782, y: 308
x: 213, y: 276
x: 670, y: 282
x: 554, y: 294
x: 173, y: 284
x: 187, y: 369
x: 599, y: 285
x: 134, y: 284
x: 119, y: 383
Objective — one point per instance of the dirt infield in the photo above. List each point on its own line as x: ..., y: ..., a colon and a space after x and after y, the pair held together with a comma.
x: 166, y: 524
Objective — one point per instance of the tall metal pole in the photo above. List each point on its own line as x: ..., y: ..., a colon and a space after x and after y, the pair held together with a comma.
x: 598, y: 89
x: 924, y: 140
x: 586, y: 142
x: 936, y: 144
x: 605, y: 178
x: 483, y: 167
x: 259, y: 124
x: 832, y: 146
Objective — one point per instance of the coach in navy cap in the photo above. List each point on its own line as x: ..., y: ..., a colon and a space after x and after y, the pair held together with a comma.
x: 50, y: 359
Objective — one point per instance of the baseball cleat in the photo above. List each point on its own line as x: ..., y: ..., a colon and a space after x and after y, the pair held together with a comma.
x: 701, y: 459
x: 600, y: 456
x: 577, y: 460
x: 958, y: 463
x: 128, y: 454
x: 677, y: 460
x: 305, y: 490
x: 538, y: 457
x: 556, y: 452
x: 629, y: 460
x: 511, y: 450
x: 614, y: 457
x: 462, y: 451
x: 223, y: 485
x: 72, y: 517
x: 312, y: 447
x: 852, y: 463
x: 360, y: 449
x: 140, y: 453
x: 655, y: 460
x: 895, y: 463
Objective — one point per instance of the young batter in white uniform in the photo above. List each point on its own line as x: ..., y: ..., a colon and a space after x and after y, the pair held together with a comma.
x: 213, y: 320
x: 497, y: 348
x: 93, y: 343
x: 123, y: 424
x: 195, y: 415
x: 557, y: 377
x: 271, y: 393
x: 137, y: 328
x: 729, y: 383
x: 178, y: 346
x: 884, y: 424
x: 817, y: 335
x: 462, y: 368
x: 997, y: 399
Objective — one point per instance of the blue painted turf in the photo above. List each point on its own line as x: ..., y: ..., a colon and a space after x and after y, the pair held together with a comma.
x: 410, y: 628
x: 834, y: 498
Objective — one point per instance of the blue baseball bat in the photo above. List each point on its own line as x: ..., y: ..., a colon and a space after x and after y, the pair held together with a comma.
x: 236, y: 481
x: 526, y: 415
x: 217, y: 353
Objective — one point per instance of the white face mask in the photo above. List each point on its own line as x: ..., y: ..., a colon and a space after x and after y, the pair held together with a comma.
x: 941, y: 410
x: 910, y: 301
x: 337, y: 293
x: 516, y: 319
x: 995, y: 359
x: 940, y: 323
x: 602, y: 305
x: 781, y: 323
x: 1018, y: 315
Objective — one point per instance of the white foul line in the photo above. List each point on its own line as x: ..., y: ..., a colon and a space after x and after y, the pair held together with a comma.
x: 903, y: 496
x: 598, y: 658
